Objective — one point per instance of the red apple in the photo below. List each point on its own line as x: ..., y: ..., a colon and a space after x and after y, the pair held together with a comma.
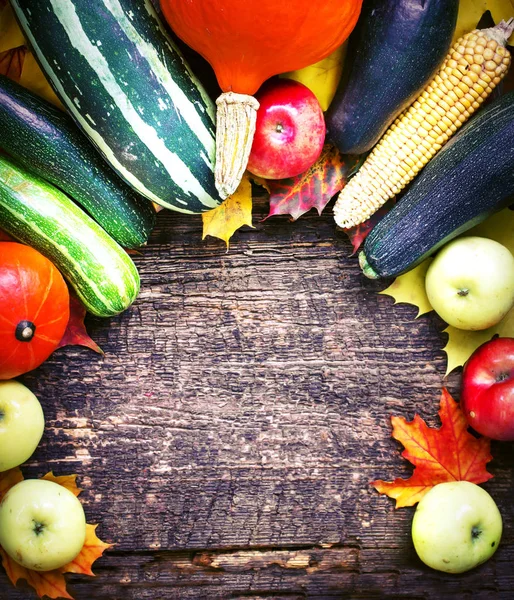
x: 487, y: 396
x: 290, y: 130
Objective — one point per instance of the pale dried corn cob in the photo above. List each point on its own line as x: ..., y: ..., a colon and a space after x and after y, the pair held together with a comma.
x: 473, y: 67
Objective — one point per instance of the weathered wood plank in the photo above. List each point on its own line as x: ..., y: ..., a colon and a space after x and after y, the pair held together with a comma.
x: 227, y: 438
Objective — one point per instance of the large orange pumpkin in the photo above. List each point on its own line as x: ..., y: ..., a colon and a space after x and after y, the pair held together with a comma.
x: 247, y: 42
x: 34, y: 309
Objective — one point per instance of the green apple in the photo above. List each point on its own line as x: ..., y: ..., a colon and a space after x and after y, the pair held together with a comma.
x: 470, y: 283
x: 456, y: 527
x: 21, y: 424
x: 42, y: 525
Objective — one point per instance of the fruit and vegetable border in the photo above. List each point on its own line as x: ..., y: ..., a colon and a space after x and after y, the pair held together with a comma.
x: 404, y: 227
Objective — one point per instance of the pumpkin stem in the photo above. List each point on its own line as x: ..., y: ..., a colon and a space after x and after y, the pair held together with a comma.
x: 235, y: 127
x: 25, y: 331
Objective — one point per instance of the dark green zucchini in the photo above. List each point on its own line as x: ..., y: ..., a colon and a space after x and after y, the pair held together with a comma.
x: 47, y: 142
x: 35, y: 212
x: 392, y: 54
x: 125, y: 83
x: 470, y: 178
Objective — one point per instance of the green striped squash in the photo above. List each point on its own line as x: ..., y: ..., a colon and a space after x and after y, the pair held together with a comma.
x: 125, y: 83
x: 47, y: 142
x: 33, y: 211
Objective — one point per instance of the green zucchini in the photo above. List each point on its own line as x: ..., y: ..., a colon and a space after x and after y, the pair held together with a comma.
x: 38, y: 214
x: 47, y: 142
x: 392, y: 54
x: 123, y: 80
x: 470, y: 178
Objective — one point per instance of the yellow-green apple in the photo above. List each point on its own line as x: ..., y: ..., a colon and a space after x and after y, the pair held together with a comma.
x: 456, y: 527
x: 487, y: 393
x: 21, y: 424
x: 470, y: 283
x: 290, y: 130
x: 42, y: 525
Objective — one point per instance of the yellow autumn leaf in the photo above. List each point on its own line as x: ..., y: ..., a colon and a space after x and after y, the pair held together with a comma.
x: 499, y: 227
x: 471, y: 11
x: 461, y: 344
x: 322, y: 78
x: 264, y: 183
x: 33, y: 79
x: 410, y: 288
x: 233, y: 213
x: 10, y: 34
x: 67, y: 481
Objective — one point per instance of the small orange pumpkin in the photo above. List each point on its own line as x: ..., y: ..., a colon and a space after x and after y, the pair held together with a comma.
x: 34, y: 309
x: 246, y: 42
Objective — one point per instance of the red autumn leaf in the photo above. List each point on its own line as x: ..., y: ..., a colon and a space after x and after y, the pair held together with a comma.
x: 76, y: 333
x: 52, y: 584
x: 360, y: 232
x: 450, y: 453
x: 312, y: 189
x: 11, y: 62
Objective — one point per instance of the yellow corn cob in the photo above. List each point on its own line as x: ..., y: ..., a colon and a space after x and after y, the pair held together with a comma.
x: 472, y: 69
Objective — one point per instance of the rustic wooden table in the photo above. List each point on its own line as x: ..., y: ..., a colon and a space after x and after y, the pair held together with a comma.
x: 227, y: 438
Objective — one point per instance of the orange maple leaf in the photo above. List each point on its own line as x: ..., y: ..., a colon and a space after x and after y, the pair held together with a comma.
x: 92, y: 549
x: 450, y: 453
x: 52, y: 583
x: 312, y: 189
x: 46, y: 583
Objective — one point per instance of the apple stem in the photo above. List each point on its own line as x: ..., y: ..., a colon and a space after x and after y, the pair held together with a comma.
x: 236, y: 119
x: 38, y: 527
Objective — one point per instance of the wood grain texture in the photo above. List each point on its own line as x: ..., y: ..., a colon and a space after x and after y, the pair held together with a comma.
x: 227, y: 438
